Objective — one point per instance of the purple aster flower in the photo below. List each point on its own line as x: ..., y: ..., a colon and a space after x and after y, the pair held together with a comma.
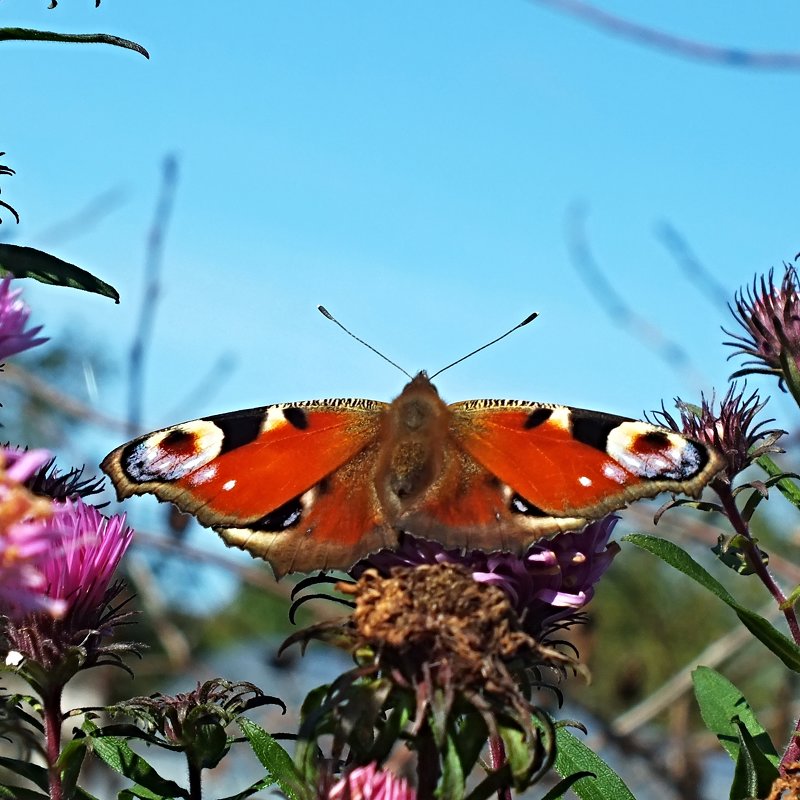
x: 370, y: 783
x: 80, y: 574
x: 553, y: 580
x: 770, y: 318
x: 13, y: 318
x: 28, y: 537
x: 77, y: 575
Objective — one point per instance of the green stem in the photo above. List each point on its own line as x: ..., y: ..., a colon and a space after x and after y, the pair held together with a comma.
x: 195, y: 781
x: 31, y: 35
x: 753, y: 553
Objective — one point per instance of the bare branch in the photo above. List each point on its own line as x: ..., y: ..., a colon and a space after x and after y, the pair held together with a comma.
x: 697, y: 273
x: 152, y: 274
x: 675, y: 45
x: 612, y: 301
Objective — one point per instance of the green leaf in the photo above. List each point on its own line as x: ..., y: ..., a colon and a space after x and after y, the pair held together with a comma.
x: 521, y: 755
x: 277, y: 762
x: 788, y: 488
x: 469, y: 740
x: 574, y: 756
x: 32, y: 772
x: 118, y: 754
x: 69, y: 762
x: 754, y: 773
x: 764, y: 631
x: 27, y: 262
x: 720, y: 704
x: 452, y: 784
x: 28, y: 34
x: 563, y: 786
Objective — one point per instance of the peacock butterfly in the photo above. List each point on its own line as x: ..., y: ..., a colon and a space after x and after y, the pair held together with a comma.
x: 320, y: 484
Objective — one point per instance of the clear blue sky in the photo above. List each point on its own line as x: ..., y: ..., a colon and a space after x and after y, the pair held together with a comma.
x: 410, y: 165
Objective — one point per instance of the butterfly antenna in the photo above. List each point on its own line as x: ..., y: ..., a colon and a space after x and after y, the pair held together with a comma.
x: 529, y: 318
x: 325, y: 313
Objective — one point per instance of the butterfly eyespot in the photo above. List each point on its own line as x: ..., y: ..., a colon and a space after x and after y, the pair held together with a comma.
x: 282, y: 518
x: 172, y: 454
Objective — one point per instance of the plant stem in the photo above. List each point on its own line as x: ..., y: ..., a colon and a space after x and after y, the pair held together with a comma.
x: 497, y: 758
x: 792, y: 753
x: 51, y: 704
x: 195, y: 780
x: 754, y: 556
x: 428, y: 771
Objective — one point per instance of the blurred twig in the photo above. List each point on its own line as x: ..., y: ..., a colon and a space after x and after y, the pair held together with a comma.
x: 152, y: 270
x: 258, y: 577
x: 614, y: 304
x: 83, y: 219
x: 675, y: 45
x: 64, y: 402
x: 691, y: 264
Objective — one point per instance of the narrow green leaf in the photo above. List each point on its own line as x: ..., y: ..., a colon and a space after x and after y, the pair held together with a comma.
x: 574, y: 756
x: 32, y: 772
x: 70, y: 761
x: 764, y: 631
x: 720, y: 703
x: 28, y: 34
x: 117, y: 753
x: 27, y: 262
x: 754, y: 773
x: 563, y: 786
x: 452, y: 783
x: 470, y: 739
x: 788, y: 488
x: 277, y: 762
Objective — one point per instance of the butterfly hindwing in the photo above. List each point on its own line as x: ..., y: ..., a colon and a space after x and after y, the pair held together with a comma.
x: 569, y: 462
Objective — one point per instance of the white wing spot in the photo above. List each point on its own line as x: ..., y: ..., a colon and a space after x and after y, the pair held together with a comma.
x: 584, y: 481
x: 228, y: 485
x: 274, y: 418
x: 203, y: 475
x: 560, y: 418
x: 614, y: 472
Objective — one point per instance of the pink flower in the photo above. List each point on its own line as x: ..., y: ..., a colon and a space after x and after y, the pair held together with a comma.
x: 28, y: 537
x: 79, y: 573
x: 370, y: 783
x: 76, y: 573
x: 13, y: 318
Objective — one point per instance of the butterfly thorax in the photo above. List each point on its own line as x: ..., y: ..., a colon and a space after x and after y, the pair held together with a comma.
x: 413, y: 437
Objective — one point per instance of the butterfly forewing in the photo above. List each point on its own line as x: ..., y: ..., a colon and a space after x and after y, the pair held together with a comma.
x: 237, y: 469
x: 569, y: 462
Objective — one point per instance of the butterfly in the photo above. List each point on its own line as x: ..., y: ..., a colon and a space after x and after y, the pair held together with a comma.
x: 321, y: 484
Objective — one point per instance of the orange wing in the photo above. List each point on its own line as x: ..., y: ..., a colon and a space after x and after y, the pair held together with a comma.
x: 292, y: 483
x: 567, y: 462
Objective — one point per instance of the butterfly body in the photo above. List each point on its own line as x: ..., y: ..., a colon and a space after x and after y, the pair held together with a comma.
x: 320, y: 484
